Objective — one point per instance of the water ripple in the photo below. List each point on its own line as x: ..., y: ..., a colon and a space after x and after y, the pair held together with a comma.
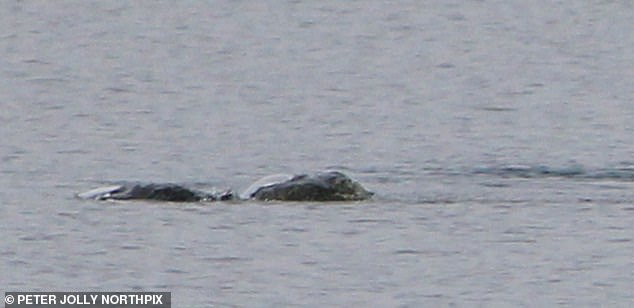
x: 622, y: 173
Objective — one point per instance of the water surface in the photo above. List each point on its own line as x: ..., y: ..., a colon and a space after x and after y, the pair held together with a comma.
x: 496, y: 136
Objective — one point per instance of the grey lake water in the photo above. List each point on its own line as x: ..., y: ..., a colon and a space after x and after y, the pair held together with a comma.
x: 498, y: 137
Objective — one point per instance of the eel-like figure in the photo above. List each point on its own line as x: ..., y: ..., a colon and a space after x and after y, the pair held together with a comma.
x: 321, y: 186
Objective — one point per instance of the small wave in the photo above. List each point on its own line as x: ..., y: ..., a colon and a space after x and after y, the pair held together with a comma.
x: 526, y: 171
x: 621, y: 173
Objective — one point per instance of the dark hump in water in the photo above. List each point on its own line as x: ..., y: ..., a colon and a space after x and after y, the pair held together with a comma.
x: 298, y: 190
x: 327, y: 186
x: 151, y: 191
x: 165, y: 192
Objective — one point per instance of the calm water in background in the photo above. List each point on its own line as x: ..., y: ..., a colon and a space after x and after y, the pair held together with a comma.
x: 498, y: 138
